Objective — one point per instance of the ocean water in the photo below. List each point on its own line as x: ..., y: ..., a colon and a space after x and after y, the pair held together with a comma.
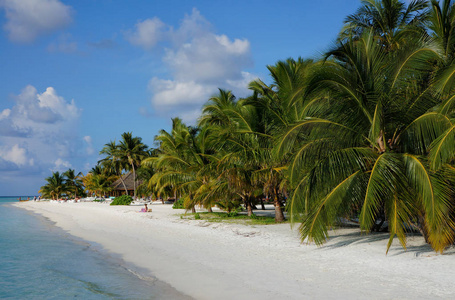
x: 41, y: 261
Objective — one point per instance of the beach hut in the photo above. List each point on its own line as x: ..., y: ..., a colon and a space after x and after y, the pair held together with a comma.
x: 118, y: 188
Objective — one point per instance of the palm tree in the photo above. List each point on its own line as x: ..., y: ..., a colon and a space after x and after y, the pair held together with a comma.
x: 180, y: 162
x: 441, y: 24
x: 278, y: 106
x: 55, y: 187
x: 393, y: 23
x: 368, y: 152
x: 236, y: 135
x: 73, y: 181
x: 112, y: 161
x: 131, y: 151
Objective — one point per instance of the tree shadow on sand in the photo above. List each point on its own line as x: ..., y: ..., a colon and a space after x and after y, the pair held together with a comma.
x: 345, y: 239
x: 341, y: 240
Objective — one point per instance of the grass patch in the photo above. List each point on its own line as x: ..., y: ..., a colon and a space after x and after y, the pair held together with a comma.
x: 224, y: 217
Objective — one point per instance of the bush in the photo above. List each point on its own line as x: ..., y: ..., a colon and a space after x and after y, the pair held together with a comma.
x: 197, y: 216
x: 178, y: 204
x: 233, y: 214
x: 122, y: 200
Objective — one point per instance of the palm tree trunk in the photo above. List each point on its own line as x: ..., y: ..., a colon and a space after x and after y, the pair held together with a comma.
x: 134, y: 180
x: 422, y: 228
x: 279, y: 216
x: 124, y: 186
x: 248, y: 205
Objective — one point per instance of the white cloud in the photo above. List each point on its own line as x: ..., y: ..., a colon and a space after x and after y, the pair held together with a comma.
x: 28, y: 19
x: 5, y: 113
x: 39, y: 129
x: 61, y: 165
x: 241, y: 85
x: 88, y: 140
x: 209, y: 58
x: 58, y: 105
x: 147, y: 33
x: 33, y: 109
x: 169, y: 93
x: 15, y: 154
x: 199, y: 61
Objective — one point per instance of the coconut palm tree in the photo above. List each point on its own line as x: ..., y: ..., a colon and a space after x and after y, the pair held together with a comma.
x: 112, y: 161
x: 236, y: 134
x: 278, y: 106
x: 131, y: 151
x: 393, y: 22
x: 369, y: 151
x: 73, y: 181
x: 55, y: 187
x: 181, y: 162
x: 441, y: 24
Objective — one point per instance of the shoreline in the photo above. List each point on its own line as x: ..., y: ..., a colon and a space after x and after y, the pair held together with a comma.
x: 231, y: 261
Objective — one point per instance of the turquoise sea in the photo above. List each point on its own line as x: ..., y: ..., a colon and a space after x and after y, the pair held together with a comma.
x: 41, y: 261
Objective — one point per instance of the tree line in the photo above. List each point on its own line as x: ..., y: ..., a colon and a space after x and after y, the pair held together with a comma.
x: 364, y: 133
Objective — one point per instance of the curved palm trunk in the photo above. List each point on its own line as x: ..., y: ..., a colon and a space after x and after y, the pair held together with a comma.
x: 124, y: 186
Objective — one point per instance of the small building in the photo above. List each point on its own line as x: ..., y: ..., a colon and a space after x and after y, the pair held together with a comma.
x: 118, y: 188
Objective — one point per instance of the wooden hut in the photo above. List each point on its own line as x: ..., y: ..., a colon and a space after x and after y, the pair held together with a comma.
x: 118, y: 188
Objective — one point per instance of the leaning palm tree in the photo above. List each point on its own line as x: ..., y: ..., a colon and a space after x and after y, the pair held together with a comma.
x: 368, y: 153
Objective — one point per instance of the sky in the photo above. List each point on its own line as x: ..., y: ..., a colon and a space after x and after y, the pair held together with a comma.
x: 75, y: 75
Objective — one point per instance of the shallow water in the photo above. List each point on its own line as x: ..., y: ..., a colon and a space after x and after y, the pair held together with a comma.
x: 40, y: 261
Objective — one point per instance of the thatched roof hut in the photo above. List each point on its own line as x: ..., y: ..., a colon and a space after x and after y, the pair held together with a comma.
x: 118, y: 188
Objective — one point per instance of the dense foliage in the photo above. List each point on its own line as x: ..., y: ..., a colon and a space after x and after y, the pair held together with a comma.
x: 122, y: 200
x: 366, y: 133
x: 178, y: 204
x: 67, y: 184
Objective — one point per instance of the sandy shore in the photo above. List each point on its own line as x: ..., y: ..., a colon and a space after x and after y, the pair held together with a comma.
x: 230, y: 261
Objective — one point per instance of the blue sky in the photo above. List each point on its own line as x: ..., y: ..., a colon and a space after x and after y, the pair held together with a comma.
x: 77, y: 74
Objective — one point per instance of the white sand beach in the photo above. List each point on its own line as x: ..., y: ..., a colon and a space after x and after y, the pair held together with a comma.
x: 231, y: 261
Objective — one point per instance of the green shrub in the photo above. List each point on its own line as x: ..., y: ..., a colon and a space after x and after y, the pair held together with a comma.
x: 178, y: 204
x: 197, y: 216
x: 233, y: 214
x: 122, y: 200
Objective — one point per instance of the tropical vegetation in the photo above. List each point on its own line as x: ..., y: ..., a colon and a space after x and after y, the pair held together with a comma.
x: 365, y: 133
x: 63, y: 184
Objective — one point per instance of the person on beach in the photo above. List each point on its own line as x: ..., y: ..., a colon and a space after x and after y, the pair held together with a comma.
x: 146, y: 209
